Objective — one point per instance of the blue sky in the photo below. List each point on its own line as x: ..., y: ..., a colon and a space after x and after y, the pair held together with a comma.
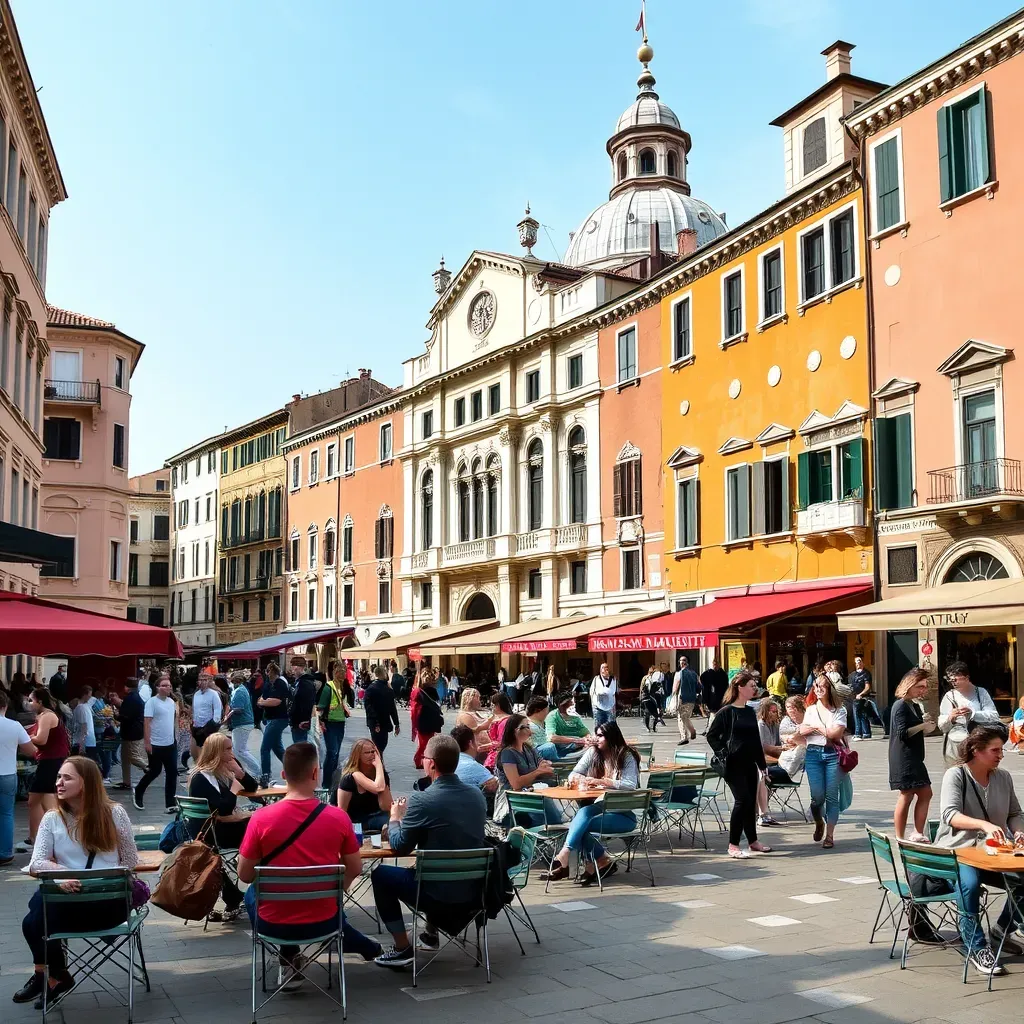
x: 260, y: 190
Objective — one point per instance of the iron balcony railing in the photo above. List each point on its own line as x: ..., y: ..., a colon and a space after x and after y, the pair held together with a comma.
x: 975, y: 480
x: 254, y: 536
x: 87, y: 391
x: 250, y: 586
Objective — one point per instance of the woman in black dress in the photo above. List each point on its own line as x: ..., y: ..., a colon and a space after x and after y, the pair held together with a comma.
x: 907, y: 773
x: 736, y: 740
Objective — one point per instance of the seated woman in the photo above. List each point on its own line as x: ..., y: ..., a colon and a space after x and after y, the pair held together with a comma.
x: 471, y: 715
x: 217, y: 779
x: 768, y: 721
x: 610, y: 764
x: 363, y: 790
x: 87, y: 830
x: 978, y: 798
x: 518, y: 766
x: 794, y: 746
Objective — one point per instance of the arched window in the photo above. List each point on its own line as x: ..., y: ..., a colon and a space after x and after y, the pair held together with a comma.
x: 293, y: 551
x: 577, y: 476
x: 535, y: 484
x: 478, y: 507
x: 313, y: 541
x: 346, y: 543
x: 648, y: 162
x: 330, y: 543
x: 464, y: 510
x: 493, y: 471
x: 815, y: 145
x: 977, y: 566
x: 673, y: 170
x: 622, y: 167
x: 427, y: 510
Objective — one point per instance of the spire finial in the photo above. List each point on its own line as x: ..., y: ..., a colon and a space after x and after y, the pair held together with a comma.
x: 528, y: 227
x: 645, y: 54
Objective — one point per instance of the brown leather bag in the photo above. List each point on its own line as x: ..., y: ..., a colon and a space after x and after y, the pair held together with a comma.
x: 190, y: 882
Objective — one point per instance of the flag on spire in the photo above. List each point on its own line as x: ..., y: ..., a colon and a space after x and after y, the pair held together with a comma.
x: 641, y: 25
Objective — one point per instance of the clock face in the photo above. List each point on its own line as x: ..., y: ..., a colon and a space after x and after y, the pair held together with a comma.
x: 481, y: 314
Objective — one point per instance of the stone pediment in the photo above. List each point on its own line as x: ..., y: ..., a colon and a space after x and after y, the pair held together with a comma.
x: 775, y: 433
x: 895, y: 387
x: 735, y: 444
x: 848, y: 412
x: 974, y: 355
x: 684, y: 456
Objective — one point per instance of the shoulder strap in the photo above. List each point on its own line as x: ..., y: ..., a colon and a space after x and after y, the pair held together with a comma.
x: 89, y: 862
x: 310, y: 818
x: 974, y: 786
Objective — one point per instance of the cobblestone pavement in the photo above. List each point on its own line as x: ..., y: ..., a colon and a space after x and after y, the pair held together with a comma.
x: 776, y: 938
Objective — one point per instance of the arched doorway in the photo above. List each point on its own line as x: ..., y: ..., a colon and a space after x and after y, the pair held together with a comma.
x: 480, y: 607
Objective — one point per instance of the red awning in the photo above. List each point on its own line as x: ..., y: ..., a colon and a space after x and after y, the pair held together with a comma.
x: 41, y: 629
x: 701, y: 626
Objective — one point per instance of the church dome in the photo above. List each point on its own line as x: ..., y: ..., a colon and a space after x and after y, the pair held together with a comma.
x: 647, y: 110
x: 620, y: 229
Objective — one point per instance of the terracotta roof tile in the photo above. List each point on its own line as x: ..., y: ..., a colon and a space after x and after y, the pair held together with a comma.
x: 66, y: 318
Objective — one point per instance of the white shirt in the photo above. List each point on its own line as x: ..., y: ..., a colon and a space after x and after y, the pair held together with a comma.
x: 206, y: 707
x: 983, y: 712
x: 85, y: 732
x: 11, y: 734
x: 145, y: 691
x: 819, y: 715
x: 54, y: 844
x: 602, y: 693
x: 161, y: 710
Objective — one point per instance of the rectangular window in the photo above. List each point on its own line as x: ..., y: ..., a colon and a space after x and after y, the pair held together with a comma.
x: 631, y: 569
x: 115, y: 561
x: 15, y: 481
x: 460, y: 412
x: 33, y: 224
x: 426, y: 594
x: 385, y: 443
x: 682, y: 343
x: 133, y: 531
x: 245, y: 609
x: 296, y: 472
x: 384, y: 597
x: 332, y: 460
x: 814, y: 477
x: 119, y: 379
x: 132, y: 614
x: 771, y: 284
x: 119, y: 446
x: 158, y: 574
x: 11, y: 201
x: 627, y: 498
x: 626, y: 344
x: 346, y: 543
x: 294, y: 555
x: 347, y: 600
x: 888, y: 201
x: 62, y: 570
x: 312, y: 550
x: 22, y: 204
x: 384, y: 537
x: 535, y: 584
x: 206, y: 559
x: 330, y: 545
x: 851, y: 469
x: 476, y: 405
x: 5, y: 342
x: 155, y: 616
x: 210, y: 462
x: 209, y: 508
x: 533, y: 386
x: 771, y: 497
x: 964, y: 162
x: 41, y: 252
x: 902, y: 564
x: 277, y: 606
x: 687, y: 533
x: 223, y: 462
x: 328, y: 600
x: 62, y: 439
x: 575, y: 371
x: 732, y: 305
x: 314, y: 465
x: 133, y: 570
x: 737, y: 503
x: 841, y: 232
x: 577, y: 577
x: 894, y: 447
x: 311, y: 602
x: 350, y: 454
x: 427, y: 421
x: 494, y: 400
x: 294, y: 605
x: 813, y: 250
x: 220, y: 610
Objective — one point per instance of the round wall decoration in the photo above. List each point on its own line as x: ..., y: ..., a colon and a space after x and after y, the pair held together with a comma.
x: 774, y: 376
x: 813, y: 360
x: 735, y: 387
x: 892, y: 275
x: 848, y: 346
x: 684, y: 407
x: 481, y: 313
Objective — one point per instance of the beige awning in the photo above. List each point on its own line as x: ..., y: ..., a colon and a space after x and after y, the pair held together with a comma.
x: 392, y: 646
x: 487, y: 640
x: 569, y: 634
x: 976, y: 605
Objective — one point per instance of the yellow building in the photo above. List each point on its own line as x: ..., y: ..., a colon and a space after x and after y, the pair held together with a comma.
x: 250, y: 540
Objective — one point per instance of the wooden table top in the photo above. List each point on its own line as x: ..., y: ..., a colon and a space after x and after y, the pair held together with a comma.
x: 565, y: 793
x: 369, y: 852
x: 150, y: 860
x: 677, y: 768
x: 976, y: 857
x: 266, y: 793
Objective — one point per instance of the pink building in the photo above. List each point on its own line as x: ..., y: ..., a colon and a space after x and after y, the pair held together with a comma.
x: 30, y: 185
x: 86, y: 492
x: 944, y: 162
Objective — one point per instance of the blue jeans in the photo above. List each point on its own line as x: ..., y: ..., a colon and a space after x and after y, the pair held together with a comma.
x: 603, y: 717
x: 353, y: 941
x: 334, y: 734
x: 592, y: 817
x: 821, y: 766
x: 300, y: 735
x: 862, y: 717
x: 272, y: 731
x: 8, y: 790
x: 549, y: 751
x: 969, y: 899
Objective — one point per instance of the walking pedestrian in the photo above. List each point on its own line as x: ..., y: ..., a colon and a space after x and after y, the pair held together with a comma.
x: 381, y: 712
x: 300, y: 714
x: 684, y: 689
x: 964, y: 707
x: 426, y: 714
x: 207, y: 711
x: 160, y: 739
x: 603, y: 689
x: 713, y: 683
x: 908, y: 726
x: 13, y: 741
x: 824, y: 725
x: 651, y: 691
x: 133, y: 732
x: 240, y: 721
x: 334, y: 711
x: 736, y: 740
x: 274, y: 701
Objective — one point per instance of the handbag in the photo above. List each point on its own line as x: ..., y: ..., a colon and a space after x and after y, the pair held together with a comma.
x: 848, y: 759
x: 191, y: 880
x: 140, y: 891
x: 672, y: 705
x: 174, y: 834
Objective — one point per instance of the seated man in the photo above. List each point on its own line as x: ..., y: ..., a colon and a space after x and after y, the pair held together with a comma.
x: 450, y: 815
x: 469, y: 769
x: 273, y: 839
x: 565, y: 729
x: 537, y: 712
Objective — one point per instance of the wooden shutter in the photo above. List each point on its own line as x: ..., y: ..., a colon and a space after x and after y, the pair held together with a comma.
x: 389, y: 540
x: 743, y: 504
x: 377, y: 538
x: 617, y: 490
x: 692, y: 533
x: 886, y: 185
x: 945, y: 155
x: 856, y: 481
x: 904, y: 462
x: 982, y: 143
x: 784, y: 494
x: 887, y: 459
x: 760, y: 517
x: 803, y: 479
x: 638, y: 499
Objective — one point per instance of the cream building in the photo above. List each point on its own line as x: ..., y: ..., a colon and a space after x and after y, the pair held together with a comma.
x: 149, y: 520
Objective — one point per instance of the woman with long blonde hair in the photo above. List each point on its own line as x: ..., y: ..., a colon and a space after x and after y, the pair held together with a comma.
x: 363, y: 790
x: 86, y: 831
x: 908, y: 726
x: 824, y: 727
x: 472, y: 715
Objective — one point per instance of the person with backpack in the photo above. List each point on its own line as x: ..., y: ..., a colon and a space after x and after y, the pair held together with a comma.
x: 334, y: 711
x: 425, y: 712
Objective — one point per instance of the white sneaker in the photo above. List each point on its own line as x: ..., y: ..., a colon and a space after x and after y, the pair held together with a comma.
x: 25, y: 847
x: 287, y: 976
x: 984, y: 962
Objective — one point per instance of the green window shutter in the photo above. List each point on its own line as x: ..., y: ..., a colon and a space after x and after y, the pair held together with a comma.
x: 945, y: 156
x: 887, y: 185
x: 759, y: 496
x: 803, y: 479
x: 855, y: 469
x: 693, y: 527
x: 743, y: 503
x: 982, y: 142
x: 904, y: 462
x: 786, y: 514
x: 885, y: 446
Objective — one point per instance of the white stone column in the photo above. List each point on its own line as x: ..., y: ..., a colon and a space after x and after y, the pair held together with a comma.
x: 549, y: 588
x: 439, y: 616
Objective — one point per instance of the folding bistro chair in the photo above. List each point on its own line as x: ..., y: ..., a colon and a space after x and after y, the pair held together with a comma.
x: 519, y: 875
x: 118, y: 945
x: 197, y: 810
x: 881, y: 852
x: 637, y: 801
x: 666, y: 813
x: 783, y: 794
x: 454, y: 866
x: 147, y: 840
x: 548, y: 837
x: 645, y: 748
x: 316, y: 882
x: 713, y: 795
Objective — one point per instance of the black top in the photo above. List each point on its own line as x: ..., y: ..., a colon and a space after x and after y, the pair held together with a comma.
x: 858, y: 680
x: 735, y: 737
x: 220, y: 798
x: 59, y: 686
x: 361, y: 804
x: 906, y: 753
x: 431, y: 716
x: 304, y: 701
x: 131, y: 716
x: 714, y: 683
x: 276, y: 689
x: 379, y: 704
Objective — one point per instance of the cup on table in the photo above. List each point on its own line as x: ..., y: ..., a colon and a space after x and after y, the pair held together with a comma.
x: 358, y: 829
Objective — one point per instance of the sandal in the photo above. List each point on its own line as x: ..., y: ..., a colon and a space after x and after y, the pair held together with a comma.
x: 828, y: 844
x: 760, y: 848
x: 738, y: 854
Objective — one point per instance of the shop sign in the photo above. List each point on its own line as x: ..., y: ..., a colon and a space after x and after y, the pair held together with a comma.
x: 653, y: 642
x: 414, y: 654
x: 906, y: 525
x: 532, y: 646
x: 943, y: 620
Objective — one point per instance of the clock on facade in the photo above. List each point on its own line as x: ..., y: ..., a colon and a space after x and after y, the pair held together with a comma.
x: 481, y: 314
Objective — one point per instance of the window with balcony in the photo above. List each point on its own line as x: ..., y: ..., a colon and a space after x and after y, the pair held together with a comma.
x: 577, y: 475
x: 964, y: 155
x: 62, y: 438
x: 493, y: 512
x: 465, y: 510
x: 828, y: 255
x: 980, y: 449
x: 737, y: 503
x: 535, y: 485
x: 831, y: 474
x: 478, y: 504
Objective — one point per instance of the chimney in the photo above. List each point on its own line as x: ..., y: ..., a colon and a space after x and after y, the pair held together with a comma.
x: 296, y: 398
x: 655, y: 239
x: 365, y: 374
x: 837, y: 59
x: 686, y: 241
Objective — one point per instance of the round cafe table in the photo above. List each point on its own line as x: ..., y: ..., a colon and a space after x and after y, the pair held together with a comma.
x: 150, y: 860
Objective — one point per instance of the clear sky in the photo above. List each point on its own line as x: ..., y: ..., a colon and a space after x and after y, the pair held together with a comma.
x: 261, y: 189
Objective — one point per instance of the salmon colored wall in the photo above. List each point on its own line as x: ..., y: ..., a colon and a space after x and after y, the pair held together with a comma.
x: 713, y: 417
x: 958, y: 277
x: 633, y: 414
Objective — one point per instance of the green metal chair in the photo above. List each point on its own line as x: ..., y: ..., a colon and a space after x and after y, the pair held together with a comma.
x: 147, y: 840
x: 323, y: 795
x: 690, y: 757
x: 783, y: 795
x: 197, y: 811
x: 548, y: 837
x: 933, y: 828
x: 668, y: 814
x: 317, y: 882
x: 519, y: 875
x: 713, y: 795
x: 563, y: 769
x: 645, y: 748
x: 440, y: 866
x: 638, y: 803
x: 118, y: 945
x: 882, y: 852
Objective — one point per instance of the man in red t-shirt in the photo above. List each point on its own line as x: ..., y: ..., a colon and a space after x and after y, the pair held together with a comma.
x: 328, y: 839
